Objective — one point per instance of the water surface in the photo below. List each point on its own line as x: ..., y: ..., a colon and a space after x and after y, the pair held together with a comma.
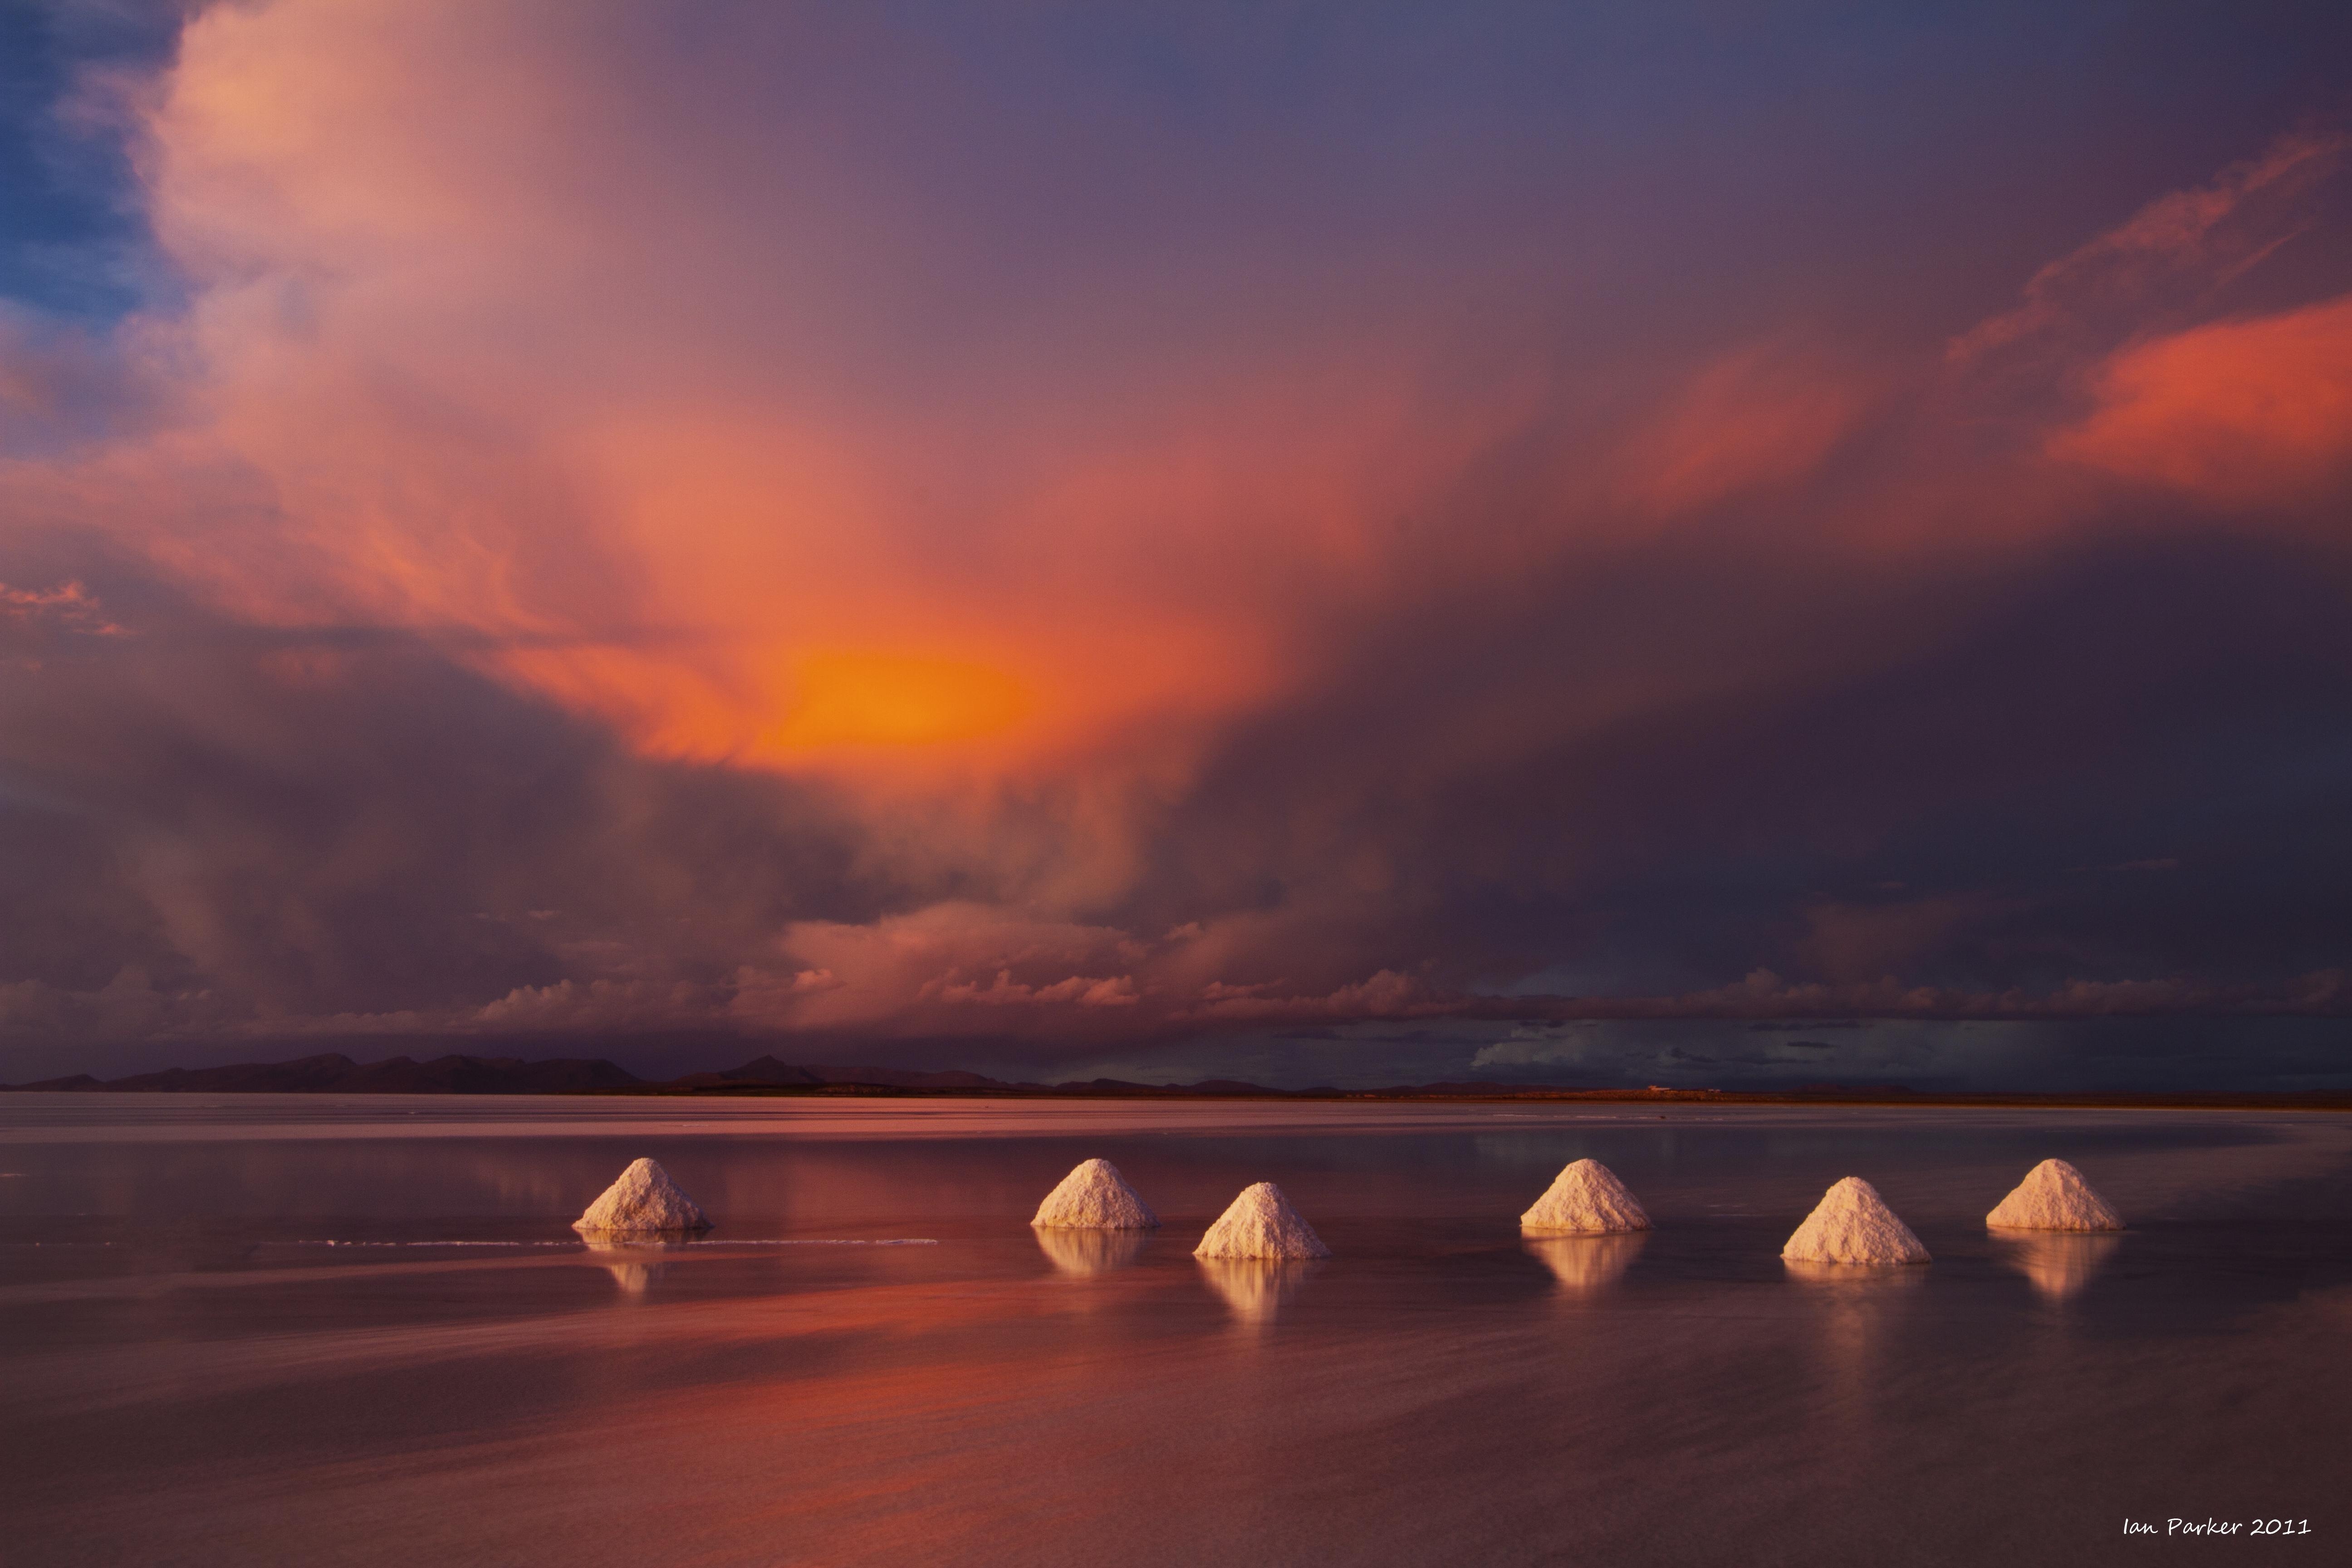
x: 294, y: 1328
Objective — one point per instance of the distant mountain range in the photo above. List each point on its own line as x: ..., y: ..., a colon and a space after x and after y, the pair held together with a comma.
x: 338, y: 1074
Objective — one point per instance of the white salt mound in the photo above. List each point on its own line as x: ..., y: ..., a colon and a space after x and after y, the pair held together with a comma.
x: 1586, y: 1197
x: 2055, y: 1196
x: 644, y: 1202
x: 1852, y: 1223
x: 1095, y: 1197
x: 1261, y: 1223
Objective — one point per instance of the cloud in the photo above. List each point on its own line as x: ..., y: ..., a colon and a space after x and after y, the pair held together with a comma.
x: 1763, y: 993
x: 644, y: 458
x: 1760, y: 416
x: 2198, y: 238
x: 974, y: 969
x: 2238, y: 413
x: 32, y: 618
x: 62, y: 388
x: 805, y: 530
x: 127, y: 1004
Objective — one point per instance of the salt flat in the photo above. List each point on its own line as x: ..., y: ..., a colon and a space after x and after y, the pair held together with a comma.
x: 196, y: 1376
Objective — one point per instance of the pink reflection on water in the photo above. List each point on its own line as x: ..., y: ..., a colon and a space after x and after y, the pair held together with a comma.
x: 633, y: 1265
x: 1255, y: 1288
x: 1085, y: 1253
x: 1587, y: 1264
x: 2058, y: 1264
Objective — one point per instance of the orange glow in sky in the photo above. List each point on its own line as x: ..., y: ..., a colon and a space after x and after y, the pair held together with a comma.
x: 864, y: 698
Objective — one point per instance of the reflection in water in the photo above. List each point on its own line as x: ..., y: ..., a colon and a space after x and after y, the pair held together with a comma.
x: 1587, y: 1264
x: 1858, y: 1310
x: 816, y: 1397
x: 633, y: 1265
x: 1085, y: 1252
x: 1254, y: 1288
x: 2059, y: 1263
x: 1862, y: 1302
x: 1860, y: 1281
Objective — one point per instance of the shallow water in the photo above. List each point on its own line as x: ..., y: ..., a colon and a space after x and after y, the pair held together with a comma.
x: 289, y: 1328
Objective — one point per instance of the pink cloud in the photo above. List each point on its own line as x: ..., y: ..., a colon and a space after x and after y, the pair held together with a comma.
x: 1762, y: 416
x: 942, y: 968
x: 2240, y: 412
x: 2201, y: 237
x: 69, y: 607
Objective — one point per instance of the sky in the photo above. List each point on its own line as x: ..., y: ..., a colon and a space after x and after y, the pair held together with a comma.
x: 1329, y: 544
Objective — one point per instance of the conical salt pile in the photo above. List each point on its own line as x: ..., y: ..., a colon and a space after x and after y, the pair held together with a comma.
x: 1586, y: 1197
x: 1261, y: 1223
x: 644, y: 1202
x: 1852, y: 1223
x: 1095, y: 1197
x: 2055, y: 1196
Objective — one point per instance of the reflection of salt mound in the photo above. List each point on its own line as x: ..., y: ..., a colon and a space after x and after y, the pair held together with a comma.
x: 633, y: 1265
x: 1852, y: 1223
x: 2059, y: 1264
x: 1586, y: 1264
x: 1095, y: 1197
x: 1849, y: 1283
x: 2055, y: 1196
x: 1254, y: 1288
x: 1090, y: 1251
x: 1587, y: 1199
x: 644, y: 1202
x: 1261, y: 1223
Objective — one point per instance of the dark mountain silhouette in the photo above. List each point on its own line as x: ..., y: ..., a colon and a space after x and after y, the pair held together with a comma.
x: 338, y: 1074
x: 767, y: 1072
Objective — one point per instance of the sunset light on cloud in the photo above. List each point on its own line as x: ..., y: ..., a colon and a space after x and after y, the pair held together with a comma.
x: 2240, y: 413
x: 1068, y: 534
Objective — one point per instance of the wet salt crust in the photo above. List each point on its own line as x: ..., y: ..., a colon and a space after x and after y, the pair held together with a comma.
x: 1852, y: 1223
x: 1261, y: 1223
x: 2053, y: 1196
x: 831, y: 1398
x: 642, y: 1202
x: 1095, y: 1197
x: 1586, y: 1199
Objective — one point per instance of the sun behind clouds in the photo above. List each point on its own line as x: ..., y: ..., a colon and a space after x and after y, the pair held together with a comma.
x: 864, y: 698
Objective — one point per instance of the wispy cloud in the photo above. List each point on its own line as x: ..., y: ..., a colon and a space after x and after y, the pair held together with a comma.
x: 2175, y: 250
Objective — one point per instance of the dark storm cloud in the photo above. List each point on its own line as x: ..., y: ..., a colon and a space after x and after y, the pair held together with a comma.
x: 212, y: 829
x: 1930, y: 815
